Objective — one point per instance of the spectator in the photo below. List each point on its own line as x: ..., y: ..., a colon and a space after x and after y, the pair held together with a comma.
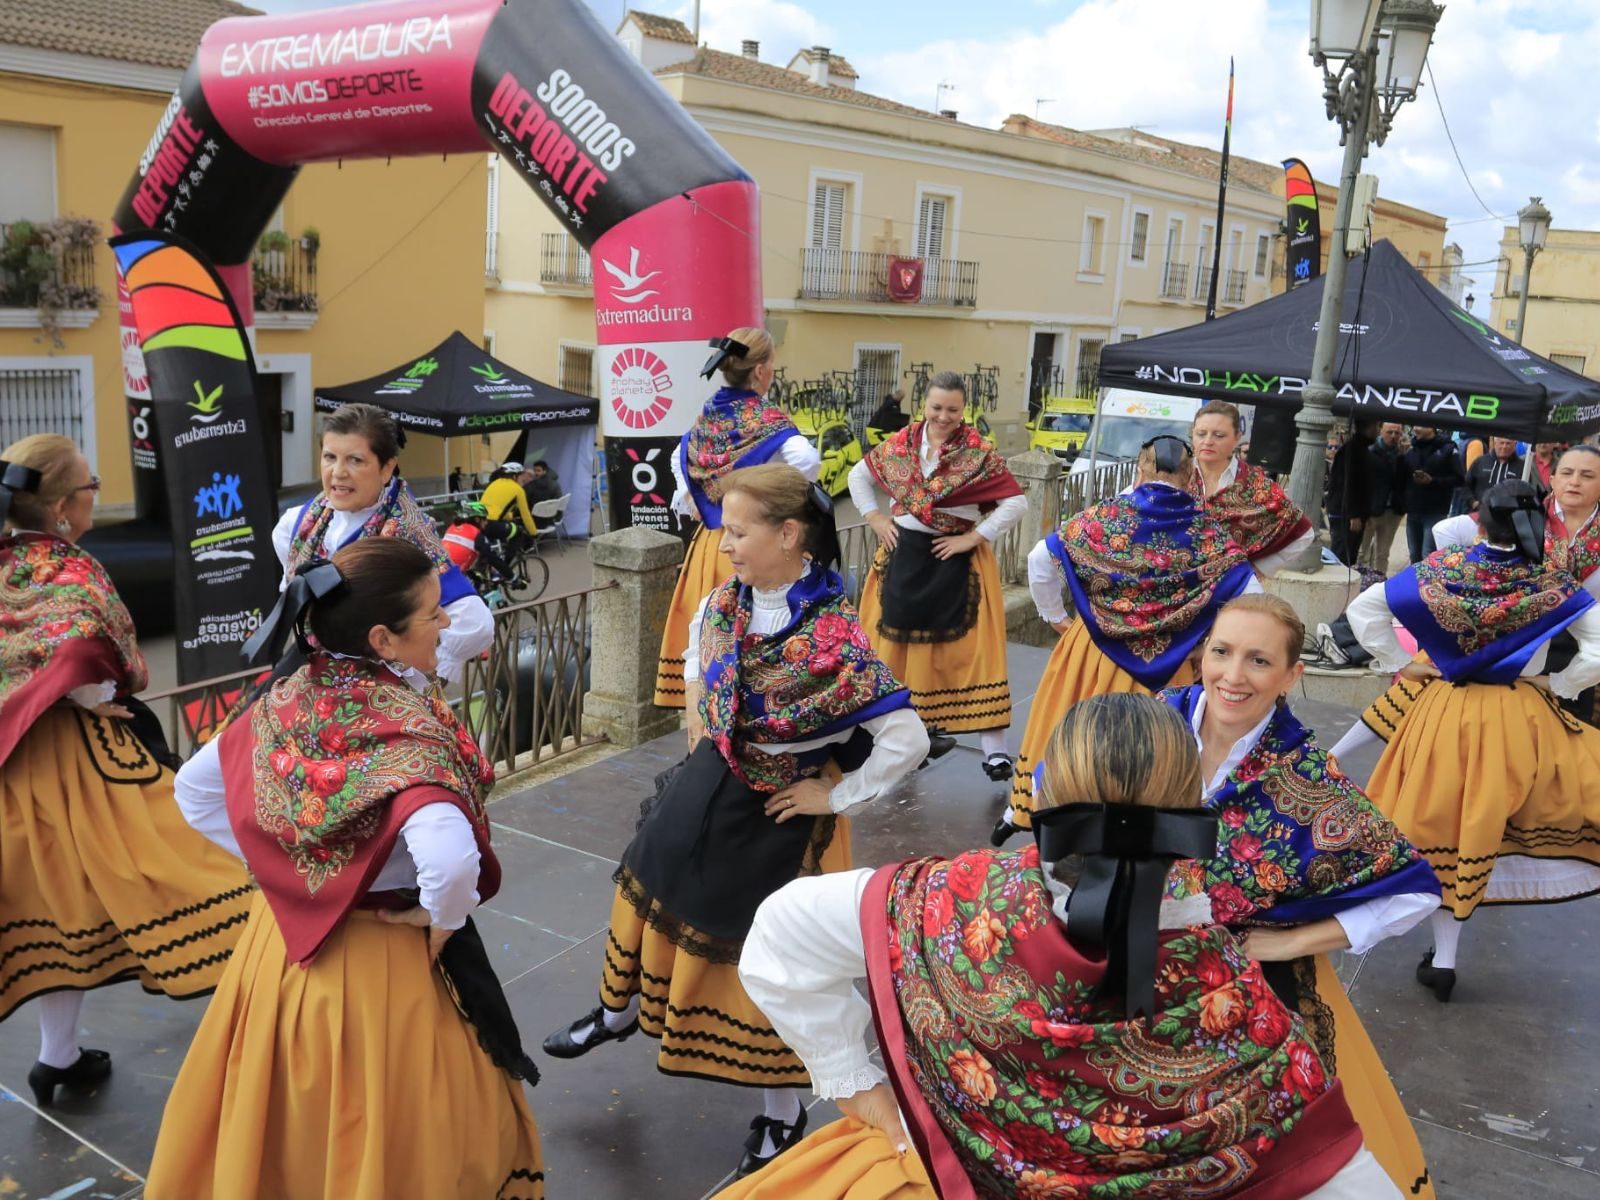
x: 1499, y: 464
x: 1387, y: 499
x: 1433, y: 471
x: 543, y: 486
x: 1463, y: 500
x: 1350, y: 492
x: 458, y: 480
x: 888, y: 416
x: 1544, y: 461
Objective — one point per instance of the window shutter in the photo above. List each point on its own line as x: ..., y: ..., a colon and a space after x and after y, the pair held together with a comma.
x: 827, y: 216
x: 930, y: 227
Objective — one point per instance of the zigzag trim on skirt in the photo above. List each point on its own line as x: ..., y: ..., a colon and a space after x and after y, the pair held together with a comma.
x: 153, y: 952
x: 177, y: 914
x: 735, y: 1064
x: 144, y: 761
x: 1003, y: 685
x: 522, y: 1174
x: 800, y: 1080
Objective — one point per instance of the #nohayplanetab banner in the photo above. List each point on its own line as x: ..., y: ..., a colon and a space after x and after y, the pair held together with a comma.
x: 208, y: 441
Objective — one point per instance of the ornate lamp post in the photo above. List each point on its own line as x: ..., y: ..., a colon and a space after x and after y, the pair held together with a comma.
x: 1371, y: 53
x: 1533, y: 229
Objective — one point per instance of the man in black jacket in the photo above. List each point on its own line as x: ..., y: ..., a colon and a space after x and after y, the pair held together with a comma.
x: 1350, y: 492
x: 1495, y: 465
x: 1433, y: 471
x: 1388, y: 499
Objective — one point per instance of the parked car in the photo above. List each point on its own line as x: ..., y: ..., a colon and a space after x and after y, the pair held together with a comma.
x: 1061, y: 426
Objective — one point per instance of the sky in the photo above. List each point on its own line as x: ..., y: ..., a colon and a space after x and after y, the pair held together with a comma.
x: 1510, y: 78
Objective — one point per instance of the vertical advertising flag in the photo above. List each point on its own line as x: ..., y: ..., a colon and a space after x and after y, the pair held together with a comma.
x: 1304, y: 261
x: 1222, y: 204
x: 202, y: 424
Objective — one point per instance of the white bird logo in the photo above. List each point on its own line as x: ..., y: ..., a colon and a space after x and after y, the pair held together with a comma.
x: 630, y: 284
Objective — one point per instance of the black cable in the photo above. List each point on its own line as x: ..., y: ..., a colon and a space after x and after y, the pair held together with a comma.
x: 1451, y: 137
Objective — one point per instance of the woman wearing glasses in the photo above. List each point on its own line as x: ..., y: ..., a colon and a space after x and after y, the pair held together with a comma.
x: 1258, y: 513
x: 100, y: 878
x: 1148, y: 571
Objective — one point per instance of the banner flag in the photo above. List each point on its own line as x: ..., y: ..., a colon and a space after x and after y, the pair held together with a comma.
x: 1304, y: 224
x: 205, y: 438
x: 1222, y: 202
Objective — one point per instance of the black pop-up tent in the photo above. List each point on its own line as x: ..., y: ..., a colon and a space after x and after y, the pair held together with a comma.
x: 457, y: 389
x: 1405, y: 354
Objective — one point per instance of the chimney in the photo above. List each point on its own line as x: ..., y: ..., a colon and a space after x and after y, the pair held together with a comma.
x: 751, y: 48
x: 819, y: 65
x: 948, y: 114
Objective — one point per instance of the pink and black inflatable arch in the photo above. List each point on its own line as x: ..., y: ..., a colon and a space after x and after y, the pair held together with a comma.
x: 623, y: 166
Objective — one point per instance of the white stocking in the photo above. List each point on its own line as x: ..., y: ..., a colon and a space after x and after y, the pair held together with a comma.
x: 58, y: 1028
x: 1446, y: 936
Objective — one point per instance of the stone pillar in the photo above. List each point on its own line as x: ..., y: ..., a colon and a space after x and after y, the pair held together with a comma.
x: 625, y: 629
x: 1039, y: 473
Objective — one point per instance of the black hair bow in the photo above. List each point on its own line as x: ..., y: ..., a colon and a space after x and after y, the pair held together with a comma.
x: 1116, y: 904
x: 722, y: 348
x: 1170, y: 451
x: 14, y: 478
x: 1516, y: 503
x: 316, y: 580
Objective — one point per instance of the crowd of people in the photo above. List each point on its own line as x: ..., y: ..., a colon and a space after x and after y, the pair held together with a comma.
x: 1139, y: 1002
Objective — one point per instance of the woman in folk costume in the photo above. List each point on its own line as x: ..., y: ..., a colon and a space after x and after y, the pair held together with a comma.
x: 1147, y: 571
x: 1258, y: 513
x: 1571, y: 544
x: 363, y: 496
x: 1304, y: 863
x: 1491, y: 779
x: 737, y: 428
x: 786, y: 694
x: 359, y: 1044
x: 932, y: 603
x: 1050, y: 1026
x: 100, y: 880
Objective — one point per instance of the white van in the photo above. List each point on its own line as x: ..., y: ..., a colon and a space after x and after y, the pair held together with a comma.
x: 1128, y: 419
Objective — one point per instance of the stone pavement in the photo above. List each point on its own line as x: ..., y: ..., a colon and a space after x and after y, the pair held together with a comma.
x: 1500, y: 1082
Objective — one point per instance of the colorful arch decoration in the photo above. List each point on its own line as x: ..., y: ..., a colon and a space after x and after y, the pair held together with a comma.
x: 668, y: 217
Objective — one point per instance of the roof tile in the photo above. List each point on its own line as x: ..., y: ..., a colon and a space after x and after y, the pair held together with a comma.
x: 667, y: 28
x: 156, y: 33
x: 735, y: 68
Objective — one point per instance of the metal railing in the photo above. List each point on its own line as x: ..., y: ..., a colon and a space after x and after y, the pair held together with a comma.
x: 27, y: 267
x: 827, y: 274
x: 1080, y: 490
x: 1175, y: 281
x: 563, y: 262
x: 284, y: 278
x: 1202, y: 283
x: 1233, y: 289
x: 523, y: 703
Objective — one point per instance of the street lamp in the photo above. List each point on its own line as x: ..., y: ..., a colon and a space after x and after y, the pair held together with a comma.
x: 1533, y: 229
x: 1371, y: 53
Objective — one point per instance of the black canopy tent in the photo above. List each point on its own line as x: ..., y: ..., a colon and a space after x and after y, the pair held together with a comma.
x: 1405, y: 353
x: 457, y: 389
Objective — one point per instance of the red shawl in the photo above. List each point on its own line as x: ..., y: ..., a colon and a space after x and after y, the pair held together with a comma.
x: 62, y: 625
x: 323, y: 774
x: 1578, y: 558
x: 970, y: 471
x: 1258, y: 513
x: 1017, y: 1081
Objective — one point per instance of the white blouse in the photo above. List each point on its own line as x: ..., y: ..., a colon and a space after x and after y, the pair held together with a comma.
x: 1366, y: 924
x: 471, y: 629
x: 864, y: 491
x: 797, y: 451
x: 899, y: 739
x: 1268, y: 564
x: 436, y: 852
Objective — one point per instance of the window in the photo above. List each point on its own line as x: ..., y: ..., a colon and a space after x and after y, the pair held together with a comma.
x: 1089, y: 365
x: 491, y: 222
x: 1207, y: 232
x: 28, y: 183
x: 932, y: 215
x: 1174, y: 238
x: 1572, y: 362
x: 1127, y: 336
x: 1138, y: 251
x: 827, y: 215
x: 1094, y: 242
x: 1263, y: 254
x: 41, y: 400
x: 576, y: 370
x: 1424, y: 261
x: 877, y: 374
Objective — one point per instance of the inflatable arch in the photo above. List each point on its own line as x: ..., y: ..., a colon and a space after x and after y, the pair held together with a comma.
x: 668, y: 216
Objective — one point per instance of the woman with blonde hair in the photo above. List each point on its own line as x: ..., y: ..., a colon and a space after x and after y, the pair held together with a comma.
x: 1258, y: 513
x: 1049, y: 1025
x: 932, y: 603
x: 794, y: 722
x: 1147, y: 572
x: 736, y: 429
x: 100, y: 879
x: 1305, y: 864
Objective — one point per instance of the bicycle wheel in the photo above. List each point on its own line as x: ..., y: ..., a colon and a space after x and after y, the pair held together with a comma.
x: 537, y: 572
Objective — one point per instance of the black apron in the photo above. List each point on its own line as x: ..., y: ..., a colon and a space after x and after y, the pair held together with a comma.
x: 926, y: 598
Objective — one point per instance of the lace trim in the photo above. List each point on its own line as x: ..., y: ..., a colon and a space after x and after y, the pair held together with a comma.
x: 839, y: 1087
x: 677, y: 931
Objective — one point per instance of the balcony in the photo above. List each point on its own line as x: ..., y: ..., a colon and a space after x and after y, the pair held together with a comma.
x: 1202, y: 283
x: 283, y: 278
x: 563, y: 263
x: 1233, y: 288
x: 859, y: 277
x: 47, y: 274
x: 1175, y: 281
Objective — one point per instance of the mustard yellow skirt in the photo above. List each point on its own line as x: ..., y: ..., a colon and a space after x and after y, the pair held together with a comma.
x: 842, y: 1161
x: 1500, y: 789
x: 1077, y: 670
x: 961, y: 686
x: 101, y: 879
x: 694, y: 1005
x: 1383, y: 715
x: 355, y: 1077
x: 703, y: 568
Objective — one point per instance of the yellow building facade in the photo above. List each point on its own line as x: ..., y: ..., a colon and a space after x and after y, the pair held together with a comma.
x: 396, y: 268
x: 1563, y: 318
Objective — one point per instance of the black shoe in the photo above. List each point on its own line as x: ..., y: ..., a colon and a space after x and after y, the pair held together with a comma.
x: 939, y: 744
x: 92, y: 1066
x: 1441, y: 981
x: 1003, y: 832
x: 998, y: 767
x: 560, y: 1044
x: 783, y: 1137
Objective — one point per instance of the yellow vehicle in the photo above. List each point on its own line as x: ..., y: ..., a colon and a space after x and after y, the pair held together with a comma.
x: 832, y: 436
x: 1062, y: 426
